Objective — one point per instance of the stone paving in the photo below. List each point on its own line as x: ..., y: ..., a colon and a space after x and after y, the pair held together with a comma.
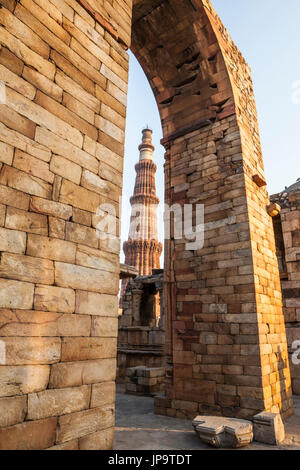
x: 138, y: 428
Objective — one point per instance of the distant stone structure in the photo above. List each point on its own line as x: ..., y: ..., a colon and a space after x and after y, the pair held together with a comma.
x: 141, y: 326
x: 287, y: 236
x: 143, y: 250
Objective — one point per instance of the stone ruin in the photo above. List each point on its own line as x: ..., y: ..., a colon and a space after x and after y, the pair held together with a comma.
x: 287, y: 237
x: 141, y: 337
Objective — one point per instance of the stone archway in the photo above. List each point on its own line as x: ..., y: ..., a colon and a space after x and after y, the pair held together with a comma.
x: 225, y: 329
x: 64, y: 73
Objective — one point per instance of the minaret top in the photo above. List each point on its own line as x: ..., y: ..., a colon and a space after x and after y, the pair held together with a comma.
x: 146, y: 148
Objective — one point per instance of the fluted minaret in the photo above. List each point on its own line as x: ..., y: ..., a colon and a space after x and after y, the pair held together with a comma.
x: 143, y: 250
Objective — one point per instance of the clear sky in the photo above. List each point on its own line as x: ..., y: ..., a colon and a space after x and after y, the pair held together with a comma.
x: 268, y: 34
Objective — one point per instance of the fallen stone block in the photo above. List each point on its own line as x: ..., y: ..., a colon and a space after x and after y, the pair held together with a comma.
x: 222, y: 432
x: 269, y: 428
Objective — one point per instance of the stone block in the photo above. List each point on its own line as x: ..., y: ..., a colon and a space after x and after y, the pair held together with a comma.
x: 155, y: 372
x: 33, y: 166
x: 11, y: 197
x: 12, y: 241
x: 222, y: 432
x: 42, y: 83
x: 90, y: 303
x: 11, y: 61
x: 19, y: 380
x: 54, y: 299
x: 33, y: 323
x: 15, y: 294
x: 76, y: 425
x: 268, y: 428
x: 58, y: 402
x: 23, y: 351
x: 59, y: 146
x: 71, y: 445
x: 27, y: 268
x: 82, y: 234
x: 51, y: 248
x: 26, y: 221
x: 104, y: 327
x: 80, y: 349
x: 51, y: 208
x: 12, y: 410
x: 63, y: 167
x: 74, y: 374
x: 79, y: 197
x: 103, y: 394
x: 78, y: 277
x: 6, y: 153
x: 101, y: 440
x: 42, y: 435
x: 21, y: 181
x: 96, y: 259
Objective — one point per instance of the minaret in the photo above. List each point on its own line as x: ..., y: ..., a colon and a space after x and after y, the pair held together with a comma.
x: 143, y: 250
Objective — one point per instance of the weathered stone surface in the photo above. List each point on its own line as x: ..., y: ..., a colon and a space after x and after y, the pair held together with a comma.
x: 22, y: 181
x: 31, y: 350
x: 63, y: 167
x: 59, y: 146
x: 26, y: 221
x: 103, y: 394
x: 19, y: 380
x: 51, y: 248
x: 31, y: 435
x: 54, y: 299
x: 32, y: 165
x: 12, y: 241
x: 91, y: 303
x: 79, y: 197
x: 71, y: 445
x: 33, y: 323
x: 223, y: 432
x: 57, y: 228
x: 80, y: 424
x: 42, y: 83
x: 57, y: 402
x: 42, y: 117
x: 24, y: 143
x: 81, y: 234
x: 76, y: 349
x: 77, y: 277
x: 6, y: 153
x: 14, y: 198
x: 103, y: 440
x: 12, y: 410
x: 27, y: 268
x: 74, y: 374
x: 104, y: 327
x: 268, y: 428
x: 97, y: 259
x: 15, y: 294
x: 52, y: 208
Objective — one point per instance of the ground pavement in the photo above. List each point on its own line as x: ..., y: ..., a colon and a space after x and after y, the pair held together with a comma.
x: 138, y: 428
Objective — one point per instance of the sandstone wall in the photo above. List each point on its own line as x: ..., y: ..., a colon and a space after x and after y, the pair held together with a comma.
x: 225, y: 332
x: 64, y: 69
x: 288, y: 238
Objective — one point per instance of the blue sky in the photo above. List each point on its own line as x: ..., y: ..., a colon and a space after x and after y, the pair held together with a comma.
x: 268, y: 34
